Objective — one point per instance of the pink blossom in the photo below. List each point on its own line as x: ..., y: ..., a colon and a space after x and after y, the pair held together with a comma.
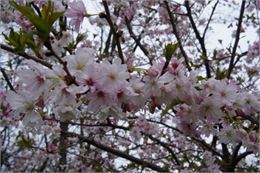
x: 210, y: 109
x: 79, y: 62
x: 25, y: 104
x: 113, y: 76
x: 90, y: 77
x: 22, y: 21
x: 249, y: 103
x: 225, y: 93
x: 99, y: 100
x: 76, y: 12
x: 34, y: 79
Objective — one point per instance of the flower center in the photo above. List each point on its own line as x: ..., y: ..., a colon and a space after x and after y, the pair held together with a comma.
x: 79, y: 66
x: 112, y: 76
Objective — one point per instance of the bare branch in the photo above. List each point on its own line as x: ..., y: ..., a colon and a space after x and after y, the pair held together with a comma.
x: 175, y: 32
x: 25, y: 55
x: 132, y: 34
x: 114, y: 31
x: 7, y: 79
x: 199, y: 38
x: 233, y: 54
x: 210, y: 18
x: 119, y: 153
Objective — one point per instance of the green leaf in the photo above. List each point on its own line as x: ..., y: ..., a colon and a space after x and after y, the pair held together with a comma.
x: 16, y: 40
x: 54, y: 16
x: 49, y: 15
x: 41, y: 25
x: 170, y: 106
x: 98, y: 168
x: 79, y: 38
x: 23, y: 143
x: 200, y: 78
x: 220, y: 74
x: 138, y: 69
x: 20, y: 40
x: 170, y: 50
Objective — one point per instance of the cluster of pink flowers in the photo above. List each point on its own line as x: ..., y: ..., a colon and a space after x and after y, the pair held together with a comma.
x: 76, y: 13
x: 110, y: 100
x: 253, y: 52
x: 143, y: 126
x: 109, y: 90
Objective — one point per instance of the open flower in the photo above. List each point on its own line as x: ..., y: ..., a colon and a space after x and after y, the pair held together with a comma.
x: 76, y: 12
x: 34, y: 79
x: 23, y: 103
x: 210, y: 109
x: 113, y: 76
x: 79, y: 62
x: 99, y: 100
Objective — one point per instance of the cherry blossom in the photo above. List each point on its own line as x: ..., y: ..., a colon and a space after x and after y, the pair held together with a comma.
x: 79, y: 62
x: 141, y: 90
x: 76, y: 12
x: 24, y: 104
x: 113, y: 76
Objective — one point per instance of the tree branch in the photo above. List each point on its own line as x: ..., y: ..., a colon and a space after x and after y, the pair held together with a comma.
x: 233, y: 54
x: 199, y: 38
x: 137, y: 40
x: 114, y: 31
x: 166, y: 146
x: 25, y: 55
x: 210, y: 18
x: 243, y: 155
x: 235, y: 152
x: 175, y: 32
x: 118, y: 153
x: 7, y: 79
x: 63, y: 145
x: 200, y: 142
x: 108, y: 42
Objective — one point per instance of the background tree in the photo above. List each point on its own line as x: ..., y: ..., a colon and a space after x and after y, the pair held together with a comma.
x: 138, y: 86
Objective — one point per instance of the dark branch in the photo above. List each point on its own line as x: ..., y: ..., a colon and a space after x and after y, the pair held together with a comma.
x: 210, y: 18
x: 200, y: 142
x: 7, y: 79
x: 199, y: 38
x: 119, y: 153
x: 108, y: 42
x: 25, y: 55
x: 137, y: 40
x: 114, y: 31
x: 241, y: 156
x: 233, y: 54
x: 235, y: 152
x: 166, y: 146
x: 63, y: 145
x: 175, y: 32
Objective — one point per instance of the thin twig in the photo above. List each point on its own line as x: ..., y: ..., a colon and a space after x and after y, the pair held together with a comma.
x: 132, y: 34
x: 175, y: 32
x: 108, y: 42
x: 210, y: 18
x: 119, y: 153
x: 7, y: 79
x: 114, y: 31
x: 25, y: 55
x: 201, y: 142
x: 240, y: 56
x: 199, y: 38
x: 233, y: 54
x: 167, y: 147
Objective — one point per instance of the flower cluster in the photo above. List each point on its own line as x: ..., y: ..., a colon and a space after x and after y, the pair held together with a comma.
x: 156, y: 109
x: 107, y: 89
x: 253, y: 51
